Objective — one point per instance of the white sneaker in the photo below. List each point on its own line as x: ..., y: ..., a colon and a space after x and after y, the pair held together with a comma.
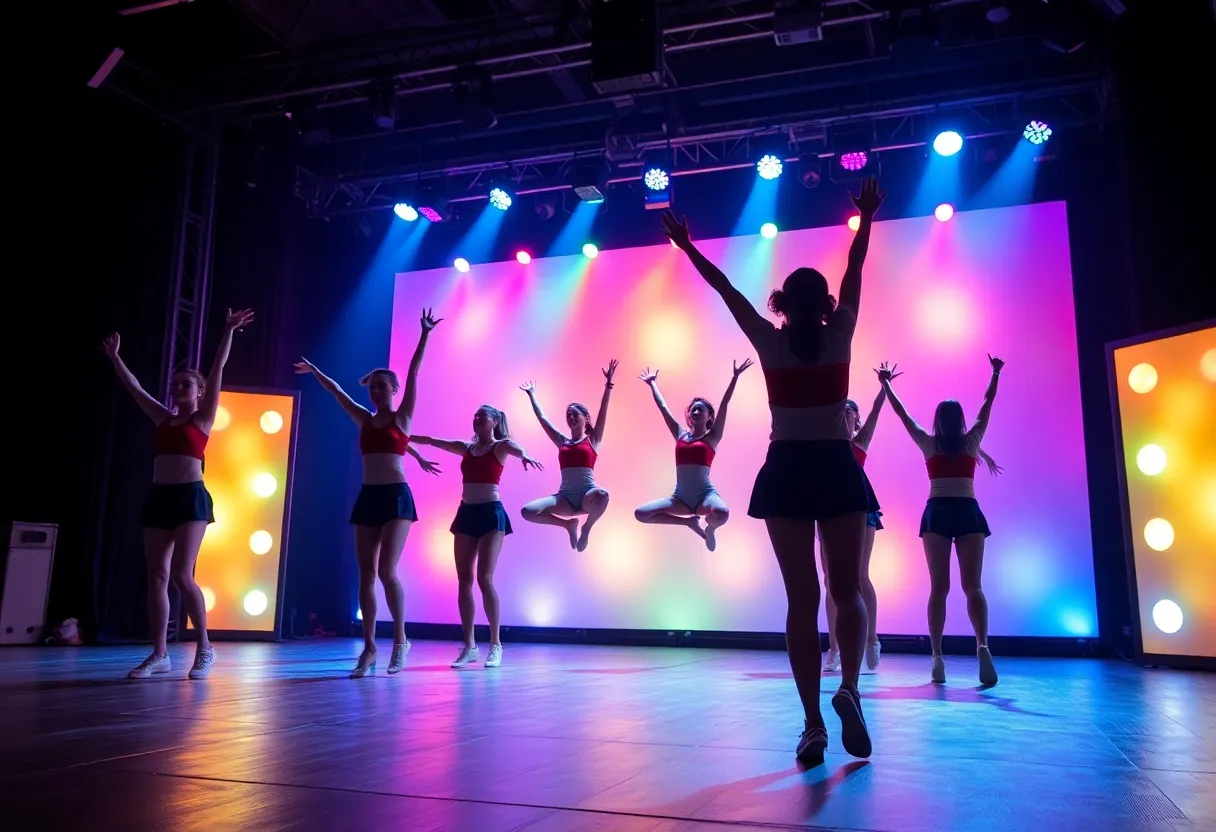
x: 938, y: 674
x: 154, y: 665
x: 397, y: 662
x: 366, y: 664
x: 203, y: 660
x: 873, y: 655
x: 987, y: 668
x: 495, y: 657
x: 832, y: 664
x: 467, y: 655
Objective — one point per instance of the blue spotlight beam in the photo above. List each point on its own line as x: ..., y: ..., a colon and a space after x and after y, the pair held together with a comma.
x: 1013, y: 183
x: 576, y: 230
x: 760, y: 207
x: 477, y: 244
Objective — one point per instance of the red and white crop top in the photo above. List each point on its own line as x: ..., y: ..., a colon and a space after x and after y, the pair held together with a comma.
x: 807, y: 401
x: 578, y: 454
x: 482, y: 470
x: 390, y: 439
x: 186, y: 439
x: 951, y: 475
x: 691, y: 451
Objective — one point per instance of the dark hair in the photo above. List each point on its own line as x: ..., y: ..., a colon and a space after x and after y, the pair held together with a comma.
x: 804, y: 292
x: 688, y: 412
x: 582, y: 408
x: 949, y: 428
x: 501, y: 431
x: 392, y: 378
x: 849, y: 404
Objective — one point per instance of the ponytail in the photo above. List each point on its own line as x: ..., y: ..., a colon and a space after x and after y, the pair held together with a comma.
x: 501, y: 431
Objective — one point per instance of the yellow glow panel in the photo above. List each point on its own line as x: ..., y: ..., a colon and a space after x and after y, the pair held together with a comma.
x: 246, y: 473
x: 1167, y: 409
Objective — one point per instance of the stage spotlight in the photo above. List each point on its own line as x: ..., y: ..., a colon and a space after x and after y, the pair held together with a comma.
x: 1037, y: 132
x: 769, y: 166
x: 461, y: 264
x: 854, y: 160
x: 948, y: 143
x: 943, y: 212
x: 500, y: 198
x: 768, y: 231
x: 590, y: 251
x: 435, y: 210
x: 523, y: 257
x: 656, y: 179
x: 854, y: 222
x: 405, y: 211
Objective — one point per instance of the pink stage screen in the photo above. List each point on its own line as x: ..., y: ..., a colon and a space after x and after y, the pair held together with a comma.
x: 937, y: 298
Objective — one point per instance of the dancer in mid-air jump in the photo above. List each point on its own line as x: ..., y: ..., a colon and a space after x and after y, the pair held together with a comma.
x: 384, y: 510
x: 177, y: 513
x: 952, y: 515
x: 576, y: 455
x: 695, y: 496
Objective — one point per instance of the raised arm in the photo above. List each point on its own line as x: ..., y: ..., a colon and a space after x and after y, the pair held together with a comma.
x: 405, y: 409
x: 601, y: 418
x: 153, y: 409
x: 866, y: 435
x: 356, y: 412
x: 719, y: 425
x: 423, y: 463
x: 555, y: 436
x: 652, y: 380
x: 509, y: 447
x: 452, y: 446
x: 919, y: 435
x: 215, y: 379
x: 868, y: 203
x: 981, y: 419
x: 754, y: 325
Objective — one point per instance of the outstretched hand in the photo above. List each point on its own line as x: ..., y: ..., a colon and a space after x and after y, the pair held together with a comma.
x: 238, y: 320
x: 529, y: 461
x: 428, y: 466
x: 429, y: 321
x: 304, y: 367
x: 739, y: 368
x: 528, y: 387
x: 676, y: 230
x: 870, y: 199
x: 886, y: 373
x: 110, y: 345
x: 649, y: 377
x: 993, y: 469
x: 997, y: 363
x: 610, y: 371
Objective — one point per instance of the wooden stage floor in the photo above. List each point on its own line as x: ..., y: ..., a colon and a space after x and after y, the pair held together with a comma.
x: 567, y: 739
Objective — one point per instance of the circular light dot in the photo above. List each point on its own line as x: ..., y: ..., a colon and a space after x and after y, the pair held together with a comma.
x: 1158, y: 534
x: 948, y: 143
x: 461, y: 264
x: 943, y: 212
x: 264, y: 485
x: 1142, y: 378
x: 590, y: 251
x: 1167, y: 616
x: 768, y: 231
x: 255, y: 602
x: 271, y: 421
x: 1207, y: 365
x: 222, y: 418
x: 260, y: 542
x: 1151, y: 460
x: 523, y: 258
x: 208, y: 598
x: 405, y: 211
x: 854, y: 222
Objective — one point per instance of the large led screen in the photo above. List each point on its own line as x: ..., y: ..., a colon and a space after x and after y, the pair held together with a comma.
x: 1165, y: 390
x: 938, y: 297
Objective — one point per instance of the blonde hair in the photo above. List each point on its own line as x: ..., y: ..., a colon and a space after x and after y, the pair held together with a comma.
x: 392, y: 378
x: 200, y: 380
x: 501, y: 431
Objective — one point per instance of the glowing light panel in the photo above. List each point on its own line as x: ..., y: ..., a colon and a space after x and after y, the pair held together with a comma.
x: 247, y: 475
x: 1165, y: 401
x: 947, y: 143
x: 648, y: 307
x: 656, y: 179
x: 1037, y: 132
x: 769, y: 166
x: 405, y: 211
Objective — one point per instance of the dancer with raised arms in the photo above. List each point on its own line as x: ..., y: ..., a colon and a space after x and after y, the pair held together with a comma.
x: 952, y: 515
x: 811, y: 477
x: 384, y: 510
x: 577, y: 495
x: 178, y: 510
x: 695, y: 496
x: 481, y: 522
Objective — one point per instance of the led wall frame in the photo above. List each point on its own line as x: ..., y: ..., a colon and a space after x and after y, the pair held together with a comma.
x: 1163, y: 394
x: 248, y: 471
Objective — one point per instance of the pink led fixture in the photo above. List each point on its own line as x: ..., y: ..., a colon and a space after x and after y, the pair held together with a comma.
x: 854, y: 160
